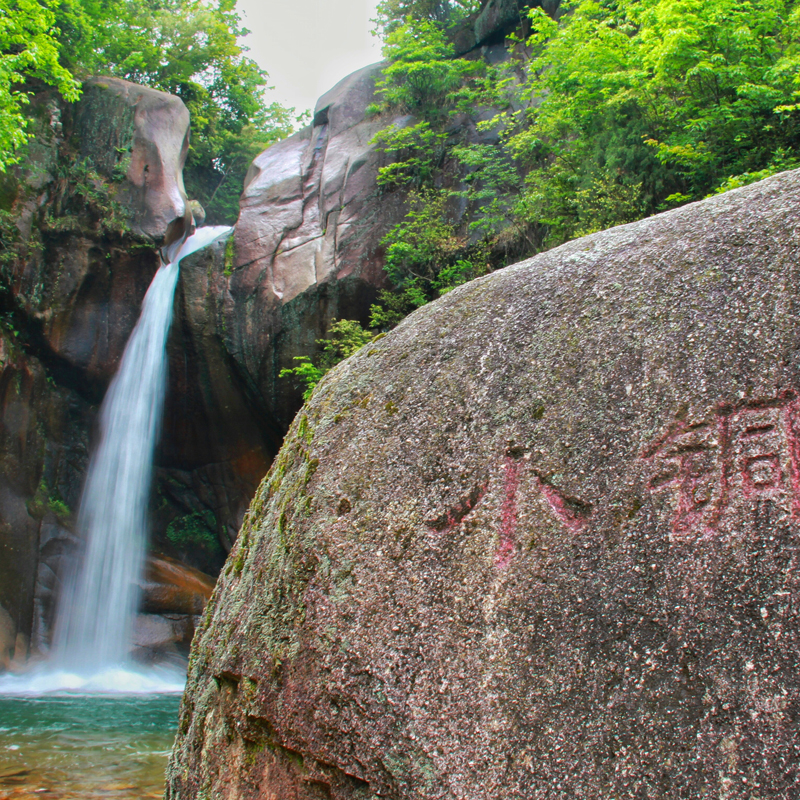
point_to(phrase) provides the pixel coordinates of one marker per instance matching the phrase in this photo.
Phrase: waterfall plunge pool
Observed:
(89, 723)
(85, 746)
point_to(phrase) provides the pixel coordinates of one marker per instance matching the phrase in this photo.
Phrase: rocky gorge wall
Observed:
(83, 219)
(100, 193)
(539, 541)
(84, 216)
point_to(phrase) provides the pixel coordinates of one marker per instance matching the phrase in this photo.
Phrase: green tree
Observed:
(345, 337)
(29, 55)
(187, 47)
(640, 105)
(444, 13)
(423, 76)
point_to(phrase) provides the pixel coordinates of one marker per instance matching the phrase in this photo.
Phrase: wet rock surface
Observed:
(172, 587)
(540, 541)
(100, 191)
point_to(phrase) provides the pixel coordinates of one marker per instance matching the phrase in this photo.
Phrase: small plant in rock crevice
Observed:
(345, 337)
(195, 531)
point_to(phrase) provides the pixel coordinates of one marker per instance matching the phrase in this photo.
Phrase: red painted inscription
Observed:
(740, 453)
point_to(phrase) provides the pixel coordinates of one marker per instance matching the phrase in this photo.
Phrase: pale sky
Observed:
(307, 46)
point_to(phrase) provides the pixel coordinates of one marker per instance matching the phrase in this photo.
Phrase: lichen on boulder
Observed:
(541, 541)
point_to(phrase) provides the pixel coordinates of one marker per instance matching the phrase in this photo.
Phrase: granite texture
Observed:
(540, 541)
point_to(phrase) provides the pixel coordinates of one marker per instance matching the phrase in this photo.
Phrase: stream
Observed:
(83, 746)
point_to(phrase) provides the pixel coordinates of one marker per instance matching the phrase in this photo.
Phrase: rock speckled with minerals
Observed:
(540, 541)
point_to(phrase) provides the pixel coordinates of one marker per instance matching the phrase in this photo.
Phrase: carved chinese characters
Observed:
(716, 467)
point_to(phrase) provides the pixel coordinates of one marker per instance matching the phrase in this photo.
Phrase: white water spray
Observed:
(98, 603)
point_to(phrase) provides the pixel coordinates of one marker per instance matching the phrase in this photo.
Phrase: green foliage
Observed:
(393, 306)
(642, 104)
(195, 531)
(187, 47)
(29, 52)
(618, 109)
(9, 244)
(309, 374)
(81, 194)
(59, 507)
(423, 77)
(44, 500)
(345, 337)
(781, 161)
(493, 186)
(419, 246)
(425, 258)
(443, 13)
(417, 152)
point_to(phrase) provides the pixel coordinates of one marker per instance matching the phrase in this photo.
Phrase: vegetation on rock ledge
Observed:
(187, 47)
(608, 113)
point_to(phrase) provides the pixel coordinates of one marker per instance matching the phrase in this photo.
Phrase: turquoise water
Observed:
(85, 746)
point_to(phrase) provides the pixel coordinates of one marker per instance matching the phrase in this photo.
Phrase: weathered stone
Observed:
(497, 18)
(8, 639)
(312, 215)
(69, 305)
(540, 541)
(171, 587)
(218, 434)
(162, 637)
(143, 134)
(43, 430)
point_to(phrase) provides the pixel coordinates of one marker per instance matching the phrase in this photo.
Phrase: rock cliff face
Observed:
(101, 190)
(540, 541)
(307, 242)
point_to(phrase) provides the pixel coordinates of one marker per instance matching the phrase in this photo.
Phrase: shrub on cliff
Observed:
(610, 113)
(187, 47)
(345, 337)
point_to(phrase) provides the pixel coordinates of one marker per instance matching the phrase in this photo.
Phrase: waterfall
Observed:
(99, 601)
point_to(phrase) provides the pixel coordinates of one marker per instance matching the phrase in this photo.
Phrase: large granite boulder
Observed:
(540, 541)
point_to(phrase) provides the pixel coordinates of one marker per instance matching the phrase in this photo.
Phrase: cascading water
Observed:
(99, 601)
(93, 627)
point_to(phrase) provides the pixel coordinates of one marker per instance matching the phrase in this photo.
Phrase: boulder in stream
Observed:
(540, 541)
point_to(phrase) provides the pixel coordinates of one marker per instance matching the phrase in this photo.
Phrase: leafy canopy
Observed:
(613, 111)
(187, 47)
(642, 104)
(443, 13)
(29, 50)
